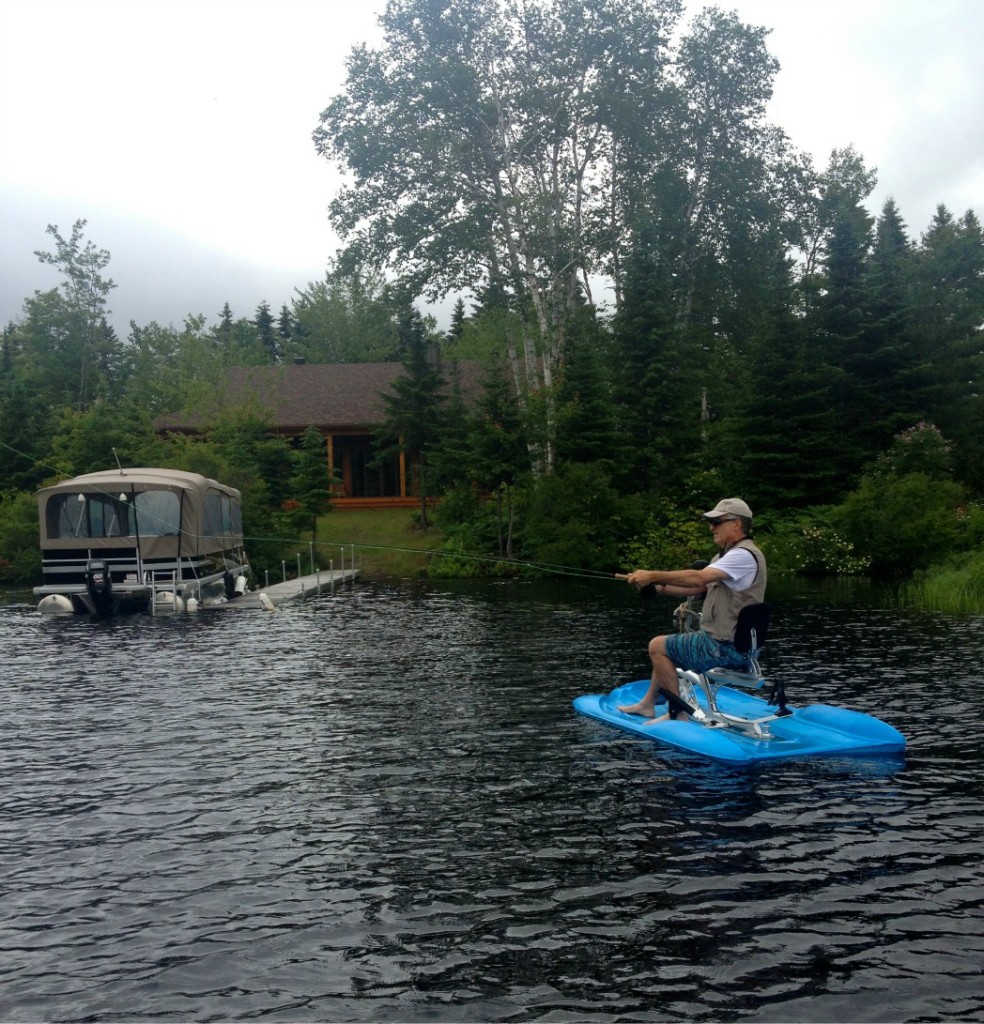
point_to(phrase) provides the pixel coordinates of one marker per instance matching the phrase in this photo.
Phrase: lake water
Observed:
(379, 806)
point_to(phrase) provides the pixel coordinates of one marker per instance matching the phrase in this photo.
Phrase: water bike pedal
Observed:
(677, 706)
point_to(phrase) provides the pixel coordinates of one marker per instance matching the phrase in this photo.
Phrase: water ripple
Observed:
(378, 806)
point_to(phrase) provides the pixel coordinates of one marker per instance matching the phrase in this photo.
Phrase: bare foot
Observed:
(641, 708)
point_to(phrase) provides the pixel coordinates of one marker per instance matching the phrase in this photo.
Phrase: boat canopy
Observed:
(166, 512)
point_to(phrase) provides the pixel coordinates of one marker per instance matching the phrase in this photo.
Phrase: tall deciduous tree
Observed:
(349, 317)
(516, 149)
(846, 180)
(66, 337)
(480, 144)
(727, 161)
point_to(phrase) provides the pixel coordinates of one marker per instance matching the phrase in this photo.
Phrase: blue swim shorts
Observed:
(700, 651)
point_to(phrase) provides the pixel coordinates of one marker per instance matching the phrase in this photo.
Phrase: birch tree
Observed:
(481, 142)
(68, 327)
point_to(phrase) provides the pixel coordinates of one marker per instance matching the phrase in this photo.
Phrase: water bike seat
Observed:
(751, 632)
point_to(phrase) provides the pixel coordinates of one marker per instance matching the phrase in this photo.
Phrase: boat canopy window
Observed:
(87, 515)
(79, 515)
(222, 515)
(158, 513)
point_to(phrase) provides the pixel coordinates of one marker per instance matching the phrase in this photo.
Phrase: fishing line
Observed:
(547, 567)
(36, 461)
(544, 567)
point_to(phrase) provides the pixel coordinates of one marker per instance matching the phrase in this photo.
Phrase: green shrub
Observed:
(476, 529)
(810, 546)
(920, 449)
(454, 562)
(20, 546)
(672, 538)
(574, 518)
(902, 523)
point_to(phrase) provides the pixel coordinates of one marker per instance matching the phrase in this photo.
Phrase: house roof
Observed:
(331, 396)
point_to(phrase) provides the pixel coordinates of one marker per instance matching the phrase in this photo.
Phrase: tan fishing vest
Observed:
(719, 615)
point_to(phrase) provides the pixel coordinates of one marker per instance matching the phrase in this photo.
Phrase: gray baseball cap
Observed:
(729, 507)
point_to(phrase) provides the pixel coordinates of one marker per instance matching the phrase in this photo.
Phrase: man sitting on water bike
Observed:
(734, 578)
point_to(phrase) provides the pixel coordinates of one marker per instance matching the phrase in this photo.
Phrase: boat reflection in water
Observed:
(138, 540)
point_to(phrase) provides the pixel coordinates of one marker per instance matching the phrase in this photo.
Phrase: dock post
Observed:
(331, 569)
(283, 569)
(312, 555)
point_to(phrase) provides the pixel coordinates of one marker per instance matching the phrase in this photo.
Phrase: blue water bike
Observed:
(720, 713)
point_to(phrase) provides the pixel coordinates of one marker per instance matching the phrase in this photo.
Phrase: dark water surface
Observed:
(381, 807)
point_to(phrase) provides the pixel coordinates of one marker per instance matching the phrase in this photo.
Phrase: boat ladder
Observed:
(164, 591)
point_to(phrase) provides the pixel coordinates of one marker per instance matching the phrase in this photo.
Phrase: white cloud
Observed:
(181, 129)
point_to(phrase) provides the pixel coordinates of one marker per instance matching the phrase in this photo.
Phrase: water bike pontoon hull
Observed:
(139, 539)
(814, 731)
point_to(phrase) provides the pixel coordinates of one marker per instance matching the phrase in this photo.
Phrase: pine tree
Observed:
(309, 482)
(658, 377)
(897, 379)
(414, 411)
(264, 323)
(586, 429)
(223, 331)
(285, 328)
(458, 318)
(837, 336)
(950, 313)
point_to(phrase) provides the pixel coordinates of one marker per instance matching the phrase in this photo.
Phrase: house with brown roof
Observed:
(343, 401)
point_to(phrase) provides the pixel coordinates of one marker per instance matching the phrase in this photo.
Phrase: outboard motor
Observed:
(99, 584)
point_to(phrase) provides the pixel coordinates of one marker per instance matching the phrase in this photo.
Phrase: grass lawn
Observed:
(386, 541)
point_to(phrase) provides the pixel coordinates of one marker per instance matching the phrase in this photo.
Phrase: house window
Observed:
(354, 460)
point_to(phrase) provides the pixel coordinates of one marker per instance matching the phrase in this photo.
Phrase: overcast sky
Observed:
(181, 130)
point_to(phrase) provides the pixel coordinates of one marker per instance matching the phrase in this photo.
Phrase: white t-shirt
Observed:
(741, 567)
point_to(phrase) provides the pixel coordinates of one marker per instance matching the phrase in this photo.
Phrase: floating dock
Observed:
(296, 589)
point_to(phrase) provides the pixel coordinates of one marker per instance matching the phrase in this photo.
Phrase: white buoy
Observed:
(55, 604)
(266, 604)
(240, 584)
(167, 600)
(192, 605)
